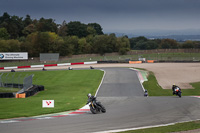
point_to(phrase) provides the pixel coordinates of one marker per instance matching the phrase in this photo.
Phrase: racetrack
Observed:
(122, 95)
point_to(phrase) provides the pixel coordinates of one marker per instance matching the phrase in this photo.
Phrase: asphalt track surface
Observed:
(122, 95)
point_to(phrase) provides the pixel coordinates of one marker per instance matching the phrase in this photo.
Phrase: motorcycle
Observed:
(177, 92)
(96, 107)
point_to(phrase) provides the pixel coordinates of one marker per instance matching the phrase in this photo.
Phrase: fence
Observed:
(28, 82)
(13, 80)
(49, 56)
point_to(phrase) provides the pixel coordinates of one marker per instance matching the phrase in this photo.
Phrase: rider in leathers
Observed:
(92, 98)
(174, 88)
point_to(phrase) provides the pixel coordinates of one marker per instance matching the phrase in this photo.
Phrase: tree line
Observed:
(142, 43)
(18, 34)
(34, 36)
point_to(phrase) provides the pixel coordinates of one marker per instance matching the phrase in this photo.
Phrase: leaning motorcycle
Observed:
(96, 107)
(178, 92)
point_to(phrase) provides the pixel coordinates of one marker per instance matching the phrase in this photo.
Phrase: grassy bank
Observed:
(154, 89)
(67, 88)
(167, 129)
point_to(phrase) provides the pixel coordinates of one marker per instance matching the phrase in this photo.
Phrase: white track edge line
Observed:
(138, 78)
(145, 127)
(101, 82)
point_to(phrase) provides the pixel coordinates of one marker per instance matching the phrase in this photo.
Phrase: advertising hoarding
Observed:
(13, 56)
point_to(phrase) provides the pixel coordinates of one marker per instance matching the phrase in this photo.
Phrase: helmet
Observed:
(89, 95)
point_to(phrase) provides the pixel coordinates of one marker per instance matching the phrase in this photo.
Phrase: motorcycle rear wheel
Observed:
(103, 109)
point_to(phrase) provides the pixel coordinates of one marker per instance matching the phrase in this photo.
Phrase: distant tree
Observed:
(188, 44)
(151, 44)
(13, 24)
(84, 46)
(67, 47)
(100, 44)
(97, 27)
(27, 21)
(62, 29)
(196, 44)
(73, 41)
(76, 28)
(138, 42)
(140, 45)
(4, 47)
(91, 31)
(4, 34)
(168, 43)
(112, 40)
(29, 29)
(46, 25)
(123, 45)
(10, 45)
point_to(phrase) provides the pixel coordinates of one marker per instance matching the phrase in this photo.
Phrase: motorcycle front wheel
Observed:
(93, 110)
(179, 94)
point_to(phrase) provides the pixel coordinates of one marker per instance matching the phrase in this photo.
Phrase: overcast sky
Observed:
(112, 15)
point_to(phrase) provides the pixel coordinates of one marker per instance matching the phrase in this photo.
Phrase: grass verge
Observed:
(167, 129)
(67, 88)
(154, 89)
(4, 89)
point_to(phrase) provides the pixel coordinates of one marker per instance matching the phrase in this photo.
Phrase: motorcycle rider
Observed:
(91, 98)
(146, 93)
(175, 88)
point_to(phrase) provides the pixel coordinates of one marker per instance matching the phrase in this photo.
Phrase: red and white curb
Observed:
(48, 65)
(82, 110)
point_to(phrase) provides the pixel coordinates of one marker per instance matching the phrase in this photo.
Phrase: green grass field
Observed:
(69, 89)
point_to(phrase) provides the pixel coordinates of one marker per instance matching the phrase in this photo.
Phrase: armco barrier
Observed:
(110, 61)
(48, 65)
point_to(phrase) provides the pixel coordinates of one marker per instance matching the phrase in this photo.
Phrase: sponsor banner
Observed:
(14, 56)
(48, 103)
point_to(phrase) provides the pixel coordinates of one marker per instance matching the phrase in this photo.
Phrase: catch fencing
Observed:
(13, 80)
(49, 57)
